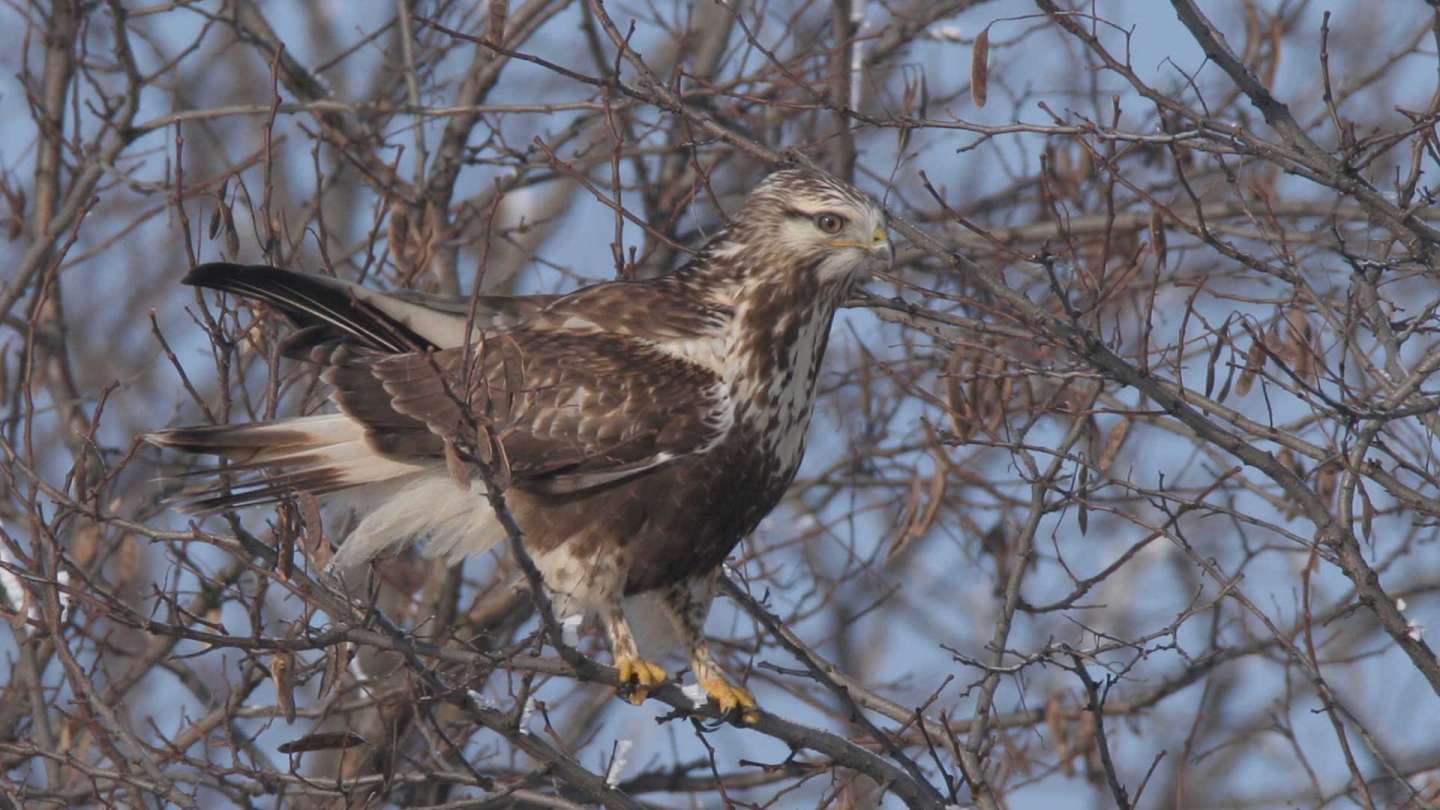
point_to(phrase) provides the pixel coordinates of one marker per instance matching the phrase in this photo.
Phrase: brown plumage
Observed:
(646, 427)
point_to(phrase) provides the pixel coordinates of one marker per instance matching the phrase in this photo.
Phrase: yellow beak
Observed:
(878, 241)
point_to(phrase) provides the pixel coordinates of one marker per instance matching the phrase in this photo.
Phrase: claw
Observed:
(640, 676)
(731, 698)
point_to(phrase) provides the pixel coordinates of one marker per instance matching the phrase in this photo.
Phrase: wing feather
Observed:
(571, 411)
(328, 309)
(580, 390)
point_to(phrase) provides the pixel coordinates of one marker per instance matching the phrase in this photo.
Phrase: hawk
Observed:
(644, 427)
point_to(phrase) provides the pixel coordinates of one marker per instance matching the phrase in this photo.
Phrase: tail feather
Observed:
(332, 456)
(401, 497)
(258, 440)
(315, 454)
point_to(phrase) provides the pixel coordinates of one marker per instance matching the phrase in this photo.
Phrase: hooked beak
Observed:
(879, 245)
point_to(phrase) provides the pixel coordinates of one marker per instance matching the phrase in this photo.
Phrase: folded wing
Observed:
(570, 409)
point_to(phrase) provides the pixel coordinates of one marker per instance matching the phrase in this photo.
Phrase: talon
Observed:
(640, 676)
(731, 698)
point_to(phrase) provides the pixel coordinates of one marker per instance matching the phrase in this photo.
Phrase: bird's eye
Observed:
(829, 223)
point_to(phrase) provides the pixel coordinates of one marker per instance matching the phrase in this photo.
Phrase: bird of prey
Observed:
(644, 427)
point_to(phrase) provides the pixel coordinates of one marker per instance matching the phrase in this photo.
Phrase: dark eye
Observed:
(829, 223)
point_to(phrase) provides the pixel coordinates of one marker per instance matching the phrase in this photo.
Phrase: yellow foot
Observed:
(640, 676)
(731, 698)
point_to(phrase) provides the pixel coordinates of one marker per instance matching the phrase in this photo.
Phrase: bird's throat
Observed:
(777, 347)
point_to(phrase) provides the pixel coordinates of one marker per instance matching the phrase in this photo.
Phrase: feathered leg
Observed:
(581, 581)
(635, 672)
(688, 604)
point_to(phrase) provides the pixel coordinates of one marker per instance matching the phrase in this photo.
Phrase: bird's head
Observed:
(801, 221)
